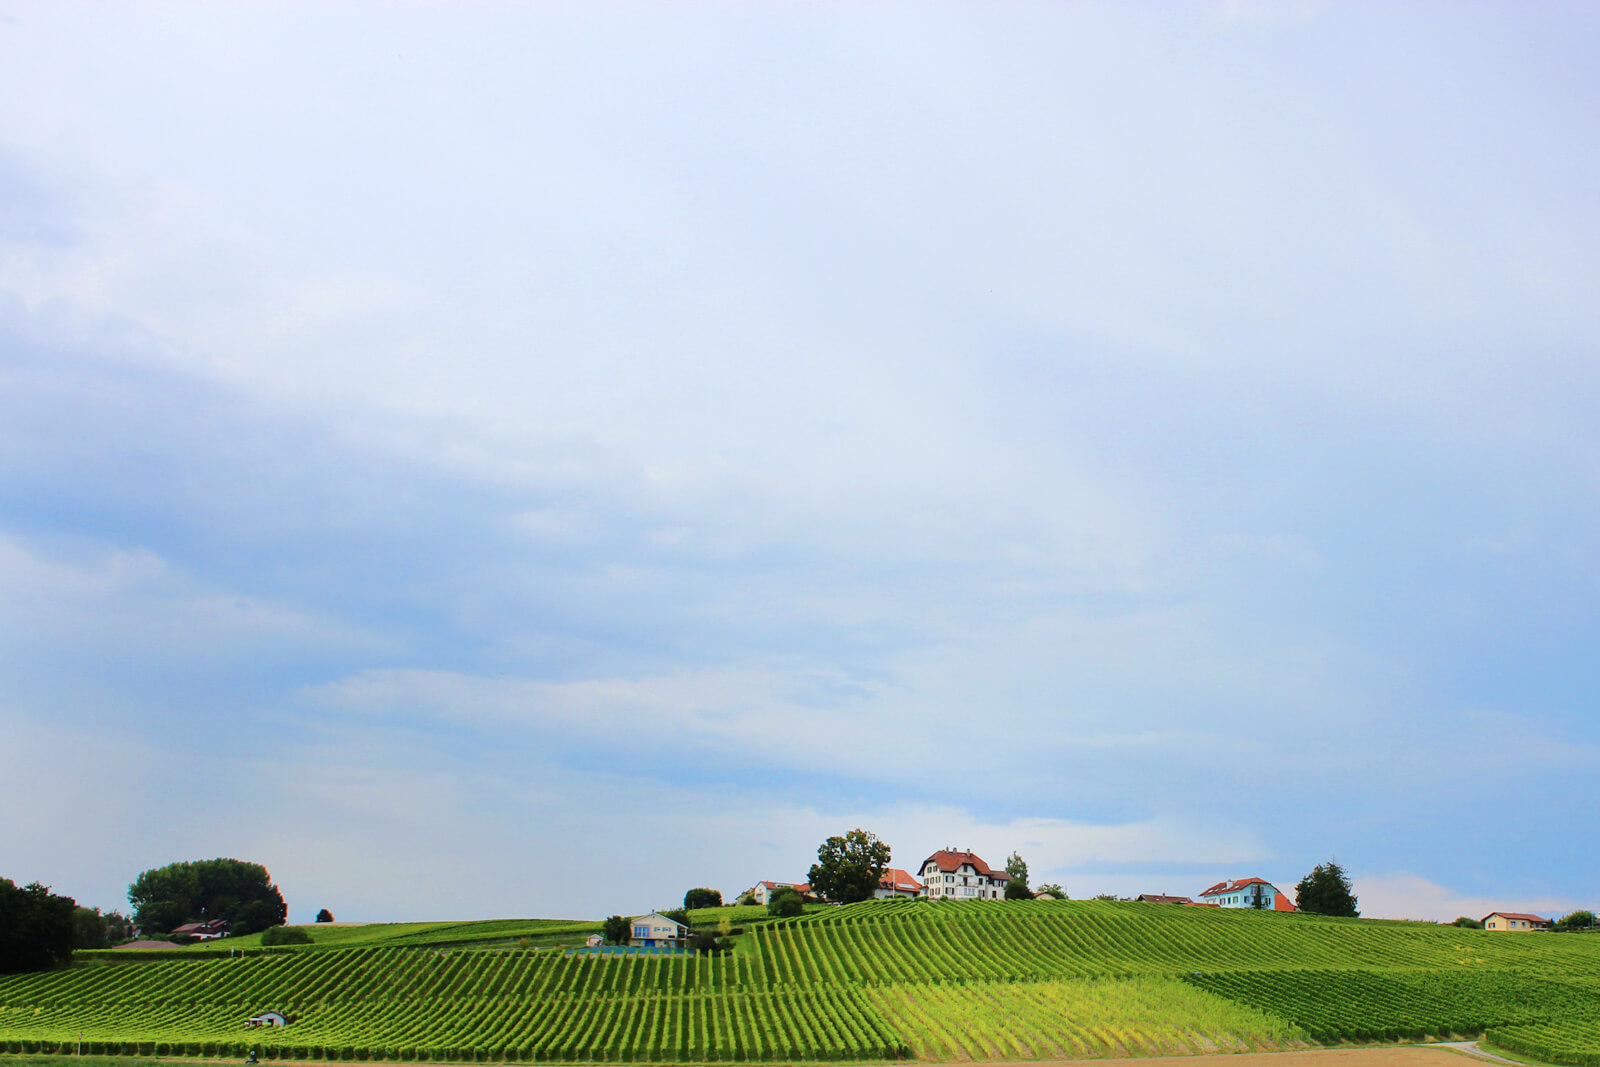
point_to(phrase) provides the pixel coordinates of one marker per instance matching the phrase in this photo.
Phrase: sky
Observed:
(495, 460)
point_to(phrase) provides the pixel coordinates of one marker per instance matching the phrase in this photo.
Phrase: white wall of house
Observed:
(965, 883)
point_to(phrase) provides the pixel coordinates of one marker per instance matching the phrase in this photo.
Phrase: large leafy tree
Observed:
(702, 898)
(1326, 891)
(230, 889)
(37, 928)
(616, 929)
(1017, 886)
(848, 868)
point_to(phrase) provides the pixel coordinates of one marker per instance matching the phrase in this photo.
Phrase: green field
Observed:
(874, 981)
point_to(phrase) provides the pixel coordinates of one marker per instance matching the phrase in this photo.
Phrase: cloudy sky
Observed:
(523, 460)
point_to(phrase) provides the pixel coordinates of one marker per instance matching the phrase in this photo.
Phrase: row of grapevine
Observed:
(817, 1025)
(1398, 1005)
(381, 973)
(1571, 1041)
(1140, 1016)
(883, 943)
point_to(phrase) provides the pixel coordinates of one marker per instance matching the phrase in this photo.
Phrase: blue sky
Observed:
(532, 460)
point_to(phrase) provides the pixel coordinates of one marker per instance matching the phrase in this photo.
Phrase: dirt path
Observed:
(1384, 1056)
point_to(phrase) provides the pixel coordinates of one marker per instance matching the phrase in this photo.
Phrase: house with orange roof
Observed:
(763, 891)
(897, 883)
(952, 874)
(1247, 893)
(1514, 920)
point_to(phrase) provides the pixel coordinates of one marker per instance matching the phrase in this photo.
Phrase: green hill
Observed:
(882, 980)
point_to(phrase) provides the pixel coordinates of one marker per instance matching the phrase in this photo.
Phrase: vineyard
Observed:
(881, 980)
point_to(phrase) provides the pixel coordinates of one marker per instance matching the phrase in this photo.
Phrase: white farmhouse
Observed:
(952, 875)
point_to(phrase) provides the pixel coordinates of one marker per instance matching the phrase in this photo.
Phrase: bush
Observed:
(285, 935)
(785, 903)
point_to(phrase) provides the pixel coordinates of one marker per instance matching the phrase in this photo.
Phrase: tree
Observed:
(1017, 889)
(1053, 890)
(617, 930)
(1466, 923)
(1326, 891)
(849, 868)
(747, 898)
(785, 903)
(1017, 868)
(242, 893)
(708, 942)
(119, 928)
(36, 928)
(88, 928)
(702, 898)
(1258, 897)
(324, 916)
(677, 915)
(1581, 919)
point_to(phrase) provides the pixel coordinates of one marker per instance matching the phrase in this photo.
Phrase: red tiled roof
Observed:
(1282, 903)
(895, 878)
(1161, 898)
(1514, 915)
(952, 861)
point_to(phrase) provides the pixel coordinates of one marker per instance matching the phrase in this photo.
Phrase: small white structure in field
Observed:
(594, 941)
(266, 1018)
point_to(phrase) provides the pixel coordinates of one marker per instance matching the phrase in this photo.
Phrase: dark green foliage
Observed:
(285, 935)
(1017, 868)
(747, 898)
(1017, 889)
(324, 916)
(1052, 890)
(1582, 919)
(1326, 891)
(37, 928)
(677, 915)
(617, 930)
(848, 868)
(702, 898)
(1466, 923)
(88, 928)
(708, 942)
(119, 927)
(241, 892)
(785, 903)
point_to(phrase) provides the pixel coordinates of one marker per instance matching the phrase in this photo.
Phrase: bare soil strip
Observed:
(1383, 1056)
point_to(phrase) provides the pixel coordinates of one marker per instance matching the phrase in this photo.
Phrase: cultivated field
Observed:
(875, 981)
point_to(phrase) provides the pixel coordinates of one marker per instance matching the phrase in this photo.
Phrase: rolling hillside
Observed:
(881, 980)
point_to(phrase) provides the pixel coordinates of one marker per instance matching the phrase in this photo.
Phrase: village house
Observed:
(1514, 920)
(657, 931)
(897, 883)
(950, 874)
(1162, 898)
(1247, 893)
(763, 890)
(206, 931)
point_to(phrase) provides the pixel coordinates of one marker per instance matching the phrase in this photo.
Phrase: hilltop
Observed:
(877, 980)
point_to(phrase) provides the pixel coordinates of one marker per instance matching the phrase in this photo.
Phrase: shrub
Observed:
(285, 935)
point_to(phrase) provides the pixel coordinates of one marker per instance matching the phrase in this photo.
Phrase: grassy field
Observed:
(882, 980)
